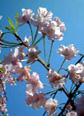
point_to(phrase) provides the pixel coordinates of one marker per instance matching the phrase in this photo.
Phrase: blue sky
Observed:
(71, 12)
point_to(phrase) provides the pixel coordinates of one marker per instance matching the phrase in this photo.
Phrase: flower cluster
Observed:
(76, 72)
(3, 105)
(27, 50)
(37, 100)
(55, 79)
(52, 28)
(68, 51)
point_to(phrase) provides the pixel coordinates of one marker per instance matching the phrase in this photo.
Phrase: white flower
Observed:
(55, 79)
(76, 72)
(32, 53)
(26, 16)
(42, 16)
(50, 106)
(72, 113)
(68, 51)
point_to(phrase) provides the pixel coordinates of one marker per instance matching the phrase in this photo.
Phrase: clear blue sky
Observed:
(71, 12)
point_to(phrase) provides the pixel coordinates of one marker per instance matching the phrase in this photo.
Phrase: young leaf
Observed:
(11, 23)
(16, 23)
(16, 15)
(8, 28)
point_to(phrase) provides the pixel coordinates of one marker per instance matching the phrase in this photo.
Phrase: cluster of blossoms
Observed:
(76, 72)
(55, 79)
(52, 28)
(3, 105)
(12, 64)
(68, 51)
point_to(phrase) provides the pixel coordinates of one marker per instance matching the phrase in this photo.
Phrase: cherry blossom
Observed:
(34, 84)
(32, 53)
(60, 24)
(36, 101)
(26, 16)
(2, 86)
(76, 72)
(6, 76)
(13, 65)
(24, 74)
(2, 104)
(55, 79)
(42, 17)
(72, 113)
(50, 106)
(18, 53)
(51, 29)
(68, 51)
(27, 40)
(14, 57)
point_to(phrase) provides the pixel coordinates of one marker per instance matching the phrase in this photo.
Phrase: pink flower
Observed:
(36, 101)
(32, 53)
(72, 113)
(2, 86)
(34, 84)
(76, 72)
(55, 79)
(9, 59)
(68, 51)
(26, 16)
(6, 76)
(50, 106)
(18, 53)
(42, 16)
(15, 57)
(15, 68)
(2, 104)
(24, 74)
(80, 106)
(27, 40)
(60, 24)
(51, 29)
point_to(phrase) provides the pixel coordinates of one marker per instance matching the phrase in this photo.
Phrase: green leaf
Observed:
(8, 28)
(11, 23)
(16, 23)
(16, 15)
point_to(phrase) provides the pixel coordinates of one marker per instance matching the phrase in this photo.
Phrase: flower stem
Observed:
(44, 48)
(36, 35)
(31, 30)
(50, 52)
(38, 40)
(61, 65)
